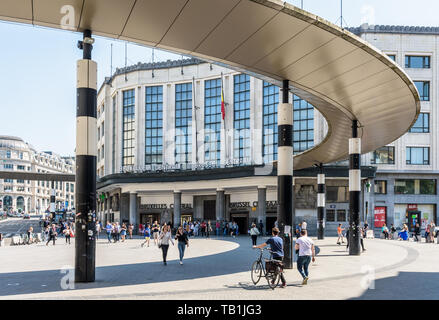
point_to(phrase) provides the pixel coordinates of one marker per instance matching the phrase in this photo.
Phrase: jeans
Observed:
(181, 247)
(68, 239)
(165, 248)
(109, 236)
(217, 231)
(302, 265)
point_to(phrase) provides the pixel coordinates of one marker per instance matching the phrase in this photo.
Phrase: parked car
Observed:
(26, 216)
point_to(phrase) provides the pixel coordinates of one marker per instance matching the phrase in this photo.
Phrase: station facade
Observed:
(163, 141)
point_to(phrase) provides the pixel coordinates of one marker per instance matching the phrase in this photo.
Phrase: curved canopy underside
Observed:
(344, 77)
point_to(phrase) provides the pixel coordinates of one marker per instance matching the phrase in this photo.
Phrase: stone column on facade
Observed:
(262, 207)
(220, 205)
(133, 208)
(177, 208)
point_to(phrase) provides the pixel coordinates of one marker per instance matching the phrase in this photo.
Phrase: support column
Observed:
(52, 201)
(262, 208)
(285, 173)
(321, 204)
(220, 205)
(354, 190)
(177, 208)
(85, 194)
(133, 209)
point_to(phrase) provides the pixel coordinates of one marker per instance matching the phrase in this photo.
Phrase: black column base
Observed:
(288, 252)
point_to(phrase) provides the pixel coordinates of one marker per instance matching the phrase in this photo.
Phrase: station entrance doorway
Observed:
(149, 218)
(241, 220)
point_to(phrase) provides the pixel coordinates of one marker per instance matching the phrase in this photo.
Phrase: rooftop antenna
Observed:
(341, 15)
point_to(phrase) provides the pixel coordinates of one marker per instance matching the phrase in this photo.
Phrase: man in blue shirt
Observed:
(277, 248)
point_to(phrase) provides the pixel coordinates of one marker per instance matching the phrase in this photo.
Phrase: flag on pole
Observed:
(223, 108)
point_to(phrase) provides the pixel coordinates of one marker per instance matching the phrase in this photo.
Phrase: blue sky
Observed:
(38, 65)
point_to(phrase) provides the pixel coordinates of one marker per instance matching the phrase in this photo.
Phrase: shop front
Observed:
(239, 213)
(413, 213)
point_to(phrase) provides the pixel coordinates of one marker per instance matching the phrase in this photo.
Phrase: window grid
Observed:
(383, 155)
(183, 122)
(270, 131)
(241, 119)
(153, 125)
(422, 124)
(303, 128)
(423, 89)
(212, 120)
(419, 62)
(129, 131)
(418, 155)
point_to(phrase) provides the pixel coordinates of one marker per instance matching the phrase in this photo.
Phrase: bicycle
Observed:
(271, 271)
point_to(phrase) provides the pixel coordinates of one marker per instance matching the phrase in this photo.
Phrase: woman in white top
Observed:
(254, 232)
(165, 237)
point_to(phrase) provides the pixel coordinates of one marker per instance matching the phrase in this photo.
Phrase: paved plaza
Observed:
(219, 269)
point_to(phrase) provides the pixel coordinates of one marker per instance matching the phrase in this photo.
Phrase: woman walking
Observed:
(254, 232)
(123, 232)
(67, 234)
(30, 235)
(208, 229)
(431, 234)
(165, 237)
(130, 230)
(183, 241)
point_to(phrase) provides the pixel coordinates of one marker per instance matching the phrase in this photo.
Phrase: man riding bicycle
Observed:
(277, 250)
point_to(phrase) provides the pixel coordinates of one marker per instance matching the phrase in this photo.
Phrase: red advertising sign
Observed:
(412, 206)
(380, 216)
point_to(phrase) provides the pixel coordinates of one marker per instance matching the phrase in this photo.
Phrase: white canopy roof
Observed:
(344, 77)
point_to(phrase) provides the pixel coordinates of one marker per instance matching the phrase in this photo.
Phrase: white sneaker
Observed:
(181, 262)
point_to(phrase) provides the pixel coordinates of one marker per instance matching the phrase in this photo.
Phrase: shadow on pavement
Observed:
(405, 286)
(229, 262)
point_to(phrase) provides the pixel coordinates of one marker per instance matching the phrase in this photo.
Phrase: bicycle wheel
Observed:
(273, 278)
(256, 272)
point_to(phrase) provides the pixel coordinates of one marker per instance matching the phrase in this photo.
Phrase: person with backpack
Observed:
(254, 232)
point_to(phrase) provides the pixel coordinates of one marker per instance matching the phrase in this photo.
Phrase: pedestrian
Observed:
(261, 227)
(340, 234)
(130, 230)
(416, 232)
(98, 229)
(298, 230)
(165, 237)
(67, 234)
(155, 232)
(196, 229)
(304, 225)
(392, 231)
(404, 233)
(123, 232)
(52, 234)
(203, 228)
(208, 229)
(217, 227)
(232, 230)
(30, 235)
(226, 229)
(254, 232)
(385, 231)
(277, 250)
(147, 234)
(183, 241)
(109, 229)
(306, 254)
(361, 235)
(431, 235)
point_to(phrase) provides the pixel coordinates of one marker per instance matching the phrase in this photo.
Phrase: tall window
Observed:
(415, 186)
(303, 128)
(270, 103)
(422, 124)
(153, 125)
(420, 62)
(129, 130)
(241, 122)
(423, 89)
(183, 122)
(113, 156)
(212, 120)
(418, 155)
(383, 155)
